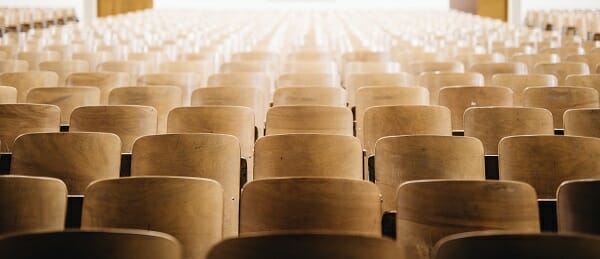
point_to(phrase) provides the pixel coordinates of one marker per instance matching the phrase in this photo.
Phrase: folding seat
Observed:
(8, 94)
(591, 59)
(491, 124)
(191, 209)
(575, 209)
(416, 68)
(297, 246)
(356, 81)
(105, 81)
(563, 52)
(369, 68)
(24, 81)
(13, 65)
(76, 158)
(430, 210)
(66, 98)
(559, 99)
(488, 70)
(99, 243)
(93, 58)
(297, 204)
(562, 70)
(518, 83)
(213, 156)
(251, 80)
(313, 67)
(531, 60)
(17, 119)
(187, 82)
(582, 122)
(592, 81)
(308, 80)
(34, 58)
(309, 119)
(329, 96)
(436, 81)
(132, 68)
(31, 204)
(547, 161)
(64, 68)
(470, 59)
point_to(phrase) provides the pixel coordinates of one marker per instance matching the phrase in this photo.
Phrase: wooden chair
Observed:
(498, 245)
(13, 65)
(417, 68)
(213, 156)
(91, 244)
(31, 204)
(400, 159)
(17, 119)
(255, 56)
(93, 58)
(361, 55)
(356, 81)
(202, 67)
(66, 98)
(470, 59)
(488, 70)
(251, 80)
(308, 80)
(132, 68)
(187, 82)
(491, 124)
(76, 158)
(591, 59)
(149, 60)
(436, 81)
(562, 70)
(560, 99)
(518, 83)
(105, 81)
(582, 122)
(533, 59)
(310, 56)
(331, 205)
(265, 67)
(297, 246)
(574, 206)
(34, 58)
(161, 98)
(25, 81)
(310, 67)
(309, 119)
(563, 52)
(328, 96)
(191, 209)
(129, 122)
(431, 210)
(383, 121)
(592, 81)
(8, 94)
(64, 68)
(547, 161)
(369, 68)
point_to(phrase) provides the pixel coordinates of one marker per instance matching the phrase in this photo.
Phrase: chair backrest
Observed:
(436, 81)
(25, 81)
(199, 67)
(34, 58)
(559, 99)
(66, 98)
(105, 243)
(430, 210)
(591, 59)
(256, 80)
(31, 204)
(105, 81)
(582, 122)
(533, 59)
(400, 159)
(518, 83)
(329, 96)
(13, 65)
(64, 68)
(8, 94)
(563, 52)
(417, 68)
(306, 79)
(592, 80)
(132, 68)
(17, 119)
(191, 209)
(249, 67)
(356, 81)
(129, 122)
(562, 70)
(75, 158)
(310, 67)
(333, 205)
(213, 156)
(309, 119)
(187, 82)
(488, 70)
(575, 211)
(547, 161)
(369, 68)
(363, 55)
(93, 58)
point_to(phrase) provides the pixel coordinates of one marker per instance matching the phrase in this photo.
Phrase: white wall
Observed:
(404, 4)
(518, 8)
(85, 9)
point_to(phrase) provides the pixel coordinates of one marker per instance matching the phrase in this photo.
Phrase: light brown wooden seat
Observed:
(460, 98)
(64, 68)
(592, 81)
(91, 244)
(94, 58)
(162, 98)
(591, 59)
(255, 56)
(491, 124)
(329, 96)
(25, 81)
(400, 159)
(132, 68)
(371, 56)
(13, 65)
(356, 81)
(469, 59)
(252, 80)
(331, 205)
(501, 245)
(149, 60)
(547, 161)
(430, 210)
(488, 70)
(309, 119)
(105, 81)
(297, 246)
(563, 52)
(562, 70)
(191, 209)
(383, 121)
(312, 67)
(576, 211)
(129, 122)
(582, 122)
(249, 67)
(518, 83)
(8, 94)
(75, 158)
(186, 66)
(187, 82)
(533, 59)
(417, 68)
(559, 99)
(350, 68)
(310, 56)
(436, 81)
(34, 58)
(308, 80)
(31, 204)
(66, 98)
(213, 156)
(17, 119)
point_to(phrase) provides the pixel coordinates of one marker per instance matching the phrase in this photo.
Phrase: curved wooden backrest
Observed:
(25, 81)
(436, 81)
(491, 124)
(75, 158)
(64, 68)
(13, 65)
(533, 59)
(417, 68)
(469, 59)
(460, 98)
(257, 80)
(149, 60)
(591, 59)
(407, 158)
(369, 67)
(582, 122)
(308, 80)
(187, 82)
(488, 70)
(191, 209)
(310, 56)
(559, 99)
(129, 122)
(132, 68)
(94, 58)
(547, 161)
(329, 96)
(310, 67)
(309, 119)
(66, 98)
(8, 94)
(17, 119)
(310, 155)
(105, 81)
(248, 67)
(31, 203)
(297, 246)
(366, 56)
(518, 83)
(255, 56)
(213, 156)
(433, 209)
(185, 66)
(562, 70)
(517, 245)
(592, 81)
(334, 205)
(383, 121)
(34, 58)
(575, 209)
(162, 98)
(105, 243)
(563, 52)
(356, 81)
